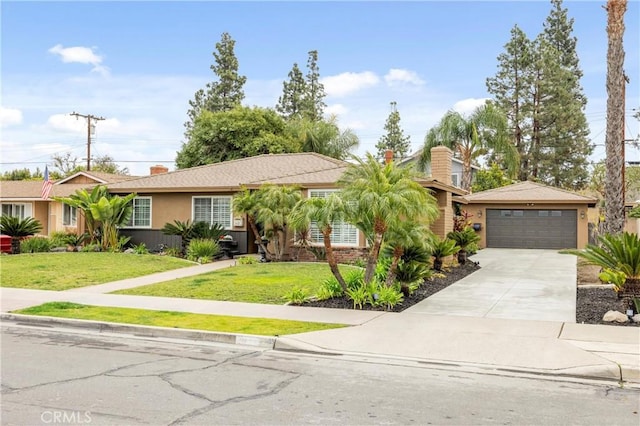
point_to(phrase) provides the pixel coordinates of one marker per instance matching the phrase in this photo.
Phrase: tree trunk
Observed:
(391, 274)
(614, 139)
(15, 245)
(462, 256)
(331, 259)
(256, 233)
(372, 260)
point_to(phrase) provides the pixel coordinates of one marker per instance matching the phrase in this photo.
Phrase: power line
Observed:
(90, 129)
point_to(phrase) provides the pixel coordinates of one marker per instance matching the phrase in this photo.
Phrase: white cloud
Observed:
(10, 117)
(349, 82)
(66, 123)
(467, 106)
(397, 76)
(81, 55)
(336, 109)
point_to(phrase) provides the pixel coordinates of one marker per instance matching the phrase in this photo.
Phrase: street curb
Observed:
(265, 342)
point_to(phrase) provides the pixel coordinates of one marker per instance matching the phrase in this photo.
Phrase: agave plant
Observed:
(619, 253)
(18, 228)
(463, 239)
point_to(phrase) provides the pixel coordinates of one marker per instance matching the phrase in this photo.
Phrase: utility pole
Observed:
(89, 117)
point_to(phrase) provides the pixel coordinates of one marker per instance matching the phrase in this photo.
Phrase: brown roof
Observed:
(301, 168)
(24, 190)
(523, 192)
(99, 177)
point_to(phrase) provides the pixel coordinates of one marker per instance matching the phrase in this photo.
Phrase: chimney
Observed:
(388, 156)
(158, 169)
(441, 164)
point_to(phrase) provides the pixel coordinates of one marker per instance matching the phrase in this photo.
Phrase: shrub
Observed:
(173, 252)
(91, 248)
(463, 239)
(74, 240)
(247, 260)
(388, 297)
(58, 238)
(140, 249)
(297, 296)
(329, 289)
(354, 278)
(35, 245)
(360, 263)
(441, 249)
(202, 250)
(358, 295)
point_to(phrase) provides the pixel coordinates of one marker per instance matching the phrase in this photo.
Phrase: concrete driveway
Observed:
(512, 283)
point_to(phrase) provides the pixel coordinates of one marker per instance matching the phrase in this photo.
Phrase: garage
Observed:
(529, 215)
(531, 229)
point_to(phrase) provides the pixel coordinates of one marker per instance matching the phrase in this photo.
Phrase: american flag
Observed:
(47, 185)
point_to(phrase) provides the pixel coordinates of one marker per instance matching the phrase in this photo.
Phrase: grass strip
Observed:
(171, 319)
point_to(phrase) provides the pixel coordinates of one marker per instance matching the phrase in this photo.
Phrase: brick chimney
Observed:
(158, 169)
(441, 164)
(388, 156)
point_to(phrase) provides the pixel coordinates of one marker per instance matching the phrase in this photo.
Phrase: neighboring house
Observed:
(529, 215)
(456, 168)
(23, 199)
(205, 193)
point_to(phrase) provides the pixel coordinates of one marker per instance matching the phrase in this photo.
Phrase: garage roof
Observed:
(528, 192)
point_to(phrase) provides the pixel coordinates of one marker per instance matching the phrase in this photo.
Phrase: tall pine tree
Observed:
(224, 94)
(293, 91)
(312, 106)
(394, 139)
(538, 85)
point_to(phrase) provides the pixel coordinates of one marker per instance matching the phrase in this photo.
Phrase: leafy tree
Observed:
(614, 198)
(485, 130)
(379, 197)
(106, 164)
(112, 212)
(68, 165)
(312, 105)
(293, 91)
(323, 213)
(631, 180)
(238, 133)
(493, 177)
(224, 94)
(323, 137)
(18, 228)
(275, 203)
(394, 139)
(26, 174)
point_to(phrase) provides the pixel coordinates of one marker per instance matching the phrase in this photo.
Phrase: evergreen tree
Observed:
(538, 85)
(224, 94)
(290, 103)
(312, 106)
(394, 139)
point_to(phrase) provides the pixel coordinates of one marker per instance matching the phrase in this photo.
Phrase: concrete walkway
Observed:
(511, 284)
(488, 341)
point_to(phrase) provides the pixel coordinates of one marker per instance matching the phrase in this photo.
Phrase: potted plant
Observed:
(463, 239)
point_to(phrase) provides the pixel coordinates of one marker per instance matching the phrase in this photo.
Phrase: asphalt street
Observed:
(60, 377)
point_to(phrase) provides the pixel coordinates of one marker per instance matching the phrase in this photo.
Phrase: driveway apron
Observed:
(511, 284)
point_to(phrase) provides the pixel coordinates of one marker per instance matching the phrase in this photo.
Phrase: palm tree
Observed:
(323, 213)
(463, 239)
(469, 138)
(18, 228)
(246, 202)
(272, 211)
(324, 137)
(112, 212)
(614, 139)
(378, 197)
(406, 235)
(82, 200)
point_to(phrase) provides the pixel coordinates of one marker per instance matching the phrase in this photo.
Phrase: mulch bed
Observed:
(591, 303)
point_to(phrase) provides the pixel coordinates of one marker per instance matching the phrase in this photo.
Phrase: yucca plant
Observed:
(463, 239)
(619, 253)
(18, 228)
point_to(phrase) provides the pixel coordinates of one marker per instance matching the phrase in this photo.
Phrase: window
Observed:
(21, 211)
(141, 215)
(69, 215)
(543, 213)
(213, 210)
(505, 213)
(455, 179)
(342, 233)
(518, 213)
(556, 213)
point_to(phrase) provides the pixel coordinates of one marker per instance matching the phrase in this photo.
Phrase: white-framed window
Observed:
(19, 210)
(213, 210)
(69, 215)
(342, 233)
(455, 179)
(141, 214)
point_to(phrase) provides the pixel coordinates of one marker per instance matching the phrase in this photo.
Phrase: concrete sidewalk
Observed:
(540, 347)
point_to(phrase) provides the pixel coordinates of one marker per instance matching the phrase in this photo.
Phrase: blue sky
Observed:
(139, 63)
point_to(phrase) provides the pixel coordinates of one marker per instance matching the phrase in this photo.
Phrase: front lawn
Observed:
(62, 271)
(254, 283)
(229, 324)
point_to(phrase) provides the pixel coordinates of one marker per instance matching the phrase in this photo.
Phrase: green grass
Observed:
(62, 271)
(257, 283)
(229, 324)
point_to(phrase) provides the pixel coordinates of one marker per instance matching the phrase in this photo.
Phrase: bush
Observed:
(388, 297)
(358, 295)
(329, 289)
(140, 249)
(58, 239)
(91, 248)
(173, 252)
(202, 250)
(35, 245)
(354, 278)
(297, 296)
(247, 260)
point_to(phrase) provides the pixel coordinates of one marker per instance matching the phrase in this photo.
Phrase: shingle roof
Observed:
(31, 189)
(523, 192)
(301, 168)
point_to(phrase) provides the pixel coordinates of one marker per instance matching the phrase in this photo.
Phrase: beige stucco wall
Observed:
(444, 223)
(478, 211)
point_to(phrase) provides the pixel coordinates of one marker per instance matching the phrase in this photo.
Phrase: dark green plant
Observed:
(75, 240)
(182, 229)
(202, 250)
(58, 238)
(35, 245)
(463, 239)
(18, 228)
(440, 249)
(203, 230)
